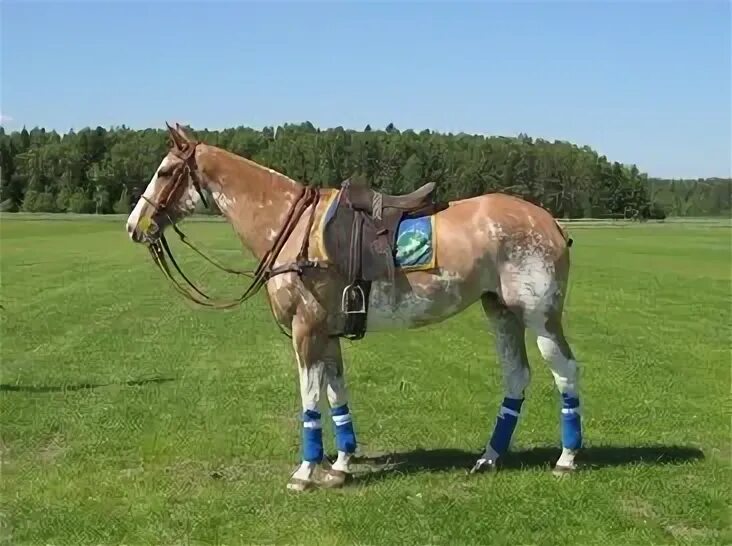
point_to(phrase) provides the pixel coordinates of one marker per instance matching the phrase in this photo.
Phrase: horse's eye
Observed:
(164, 172)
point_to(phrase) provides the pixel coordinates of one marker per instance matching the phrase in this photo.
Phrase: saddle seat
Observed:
(360, 238)
(363, 198)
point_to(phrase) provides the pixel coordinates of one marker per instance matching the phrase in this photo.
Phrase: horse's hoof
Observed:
(299, 486)
(483, 465)
(334, 479)
(562, 471)
(566, 464)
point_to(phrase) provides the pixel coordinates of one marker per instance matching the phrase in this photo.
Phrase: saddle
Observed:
(360, 238)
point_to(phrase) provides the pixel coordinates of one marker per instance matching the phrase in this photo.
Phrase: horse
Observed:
(508, 253)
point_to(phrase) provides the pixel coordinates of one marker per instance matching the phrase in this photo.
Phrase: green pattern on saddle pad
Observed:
(415, 249)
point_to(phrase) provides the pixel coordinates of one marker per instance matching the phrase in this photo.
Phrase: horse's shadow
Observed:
(4, 387)
(441, 460)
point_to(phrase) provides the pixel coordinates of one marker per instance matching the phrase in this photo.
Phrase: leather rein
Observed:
(265, 269)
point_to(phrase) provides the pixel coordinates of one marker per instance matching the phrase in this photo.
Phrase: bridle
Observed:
(265, 269)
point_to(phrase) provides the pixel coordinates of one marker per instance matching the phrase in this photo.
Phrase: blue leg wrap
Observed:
(505, 424)
(571, 422)
(344, 435)
(312, 437)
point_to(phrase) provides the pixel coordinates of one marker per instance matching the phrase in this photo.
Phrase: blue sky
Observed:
(645, 82)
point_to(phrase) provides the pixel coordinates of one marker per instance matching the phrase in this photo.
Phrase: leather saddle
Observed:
(360, 239)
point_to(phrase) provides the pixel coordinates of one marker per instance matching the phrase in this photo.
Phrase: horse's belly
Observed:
(433, 300)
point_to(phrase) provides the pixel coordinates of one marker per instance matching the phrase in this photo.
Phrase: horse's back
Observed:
(507, 220)
(511, 246)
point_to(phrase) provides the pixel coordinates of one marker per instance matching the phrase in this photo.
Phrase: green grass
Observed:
(129, 418)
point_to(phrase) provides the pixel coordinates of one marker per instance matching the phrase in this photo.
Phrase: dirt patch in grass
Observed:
(52, 450)
(638, 508)
(688, 534)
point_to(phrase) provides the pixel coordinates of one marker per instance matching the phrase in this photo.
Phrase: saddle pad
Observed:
(415, 241)
(415, 244)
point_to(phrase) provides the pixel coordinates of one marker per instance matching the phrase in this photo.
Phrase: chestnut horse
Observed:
(504, 251)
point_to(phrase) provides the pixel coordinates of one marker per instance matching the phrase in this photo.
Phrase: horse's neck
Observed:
(253, 198)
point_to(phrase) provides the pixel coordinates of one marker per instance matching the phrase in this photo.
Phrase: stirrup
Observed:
(344, 299)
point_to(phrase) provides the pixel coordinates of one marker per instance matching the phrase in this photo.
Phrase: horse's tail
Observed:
(564, 233)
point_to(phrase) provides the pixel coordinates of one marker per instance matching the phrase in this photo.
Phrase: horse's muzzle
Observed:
(134, 234)
(144, 232)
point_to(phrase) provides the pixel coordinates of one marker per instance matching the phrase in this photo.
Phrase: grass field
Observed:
(129, 418)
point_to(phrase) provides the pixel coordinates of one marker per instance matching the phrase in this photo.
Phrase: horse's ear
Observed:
(182, 133)
(178, 140)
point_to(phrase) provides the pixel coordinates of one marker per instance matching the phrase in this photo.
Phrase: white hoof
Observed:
(563, 471)
(299, 486)
(565, 465)
(302, 479)
(484, 465)
(312, 475)
(334, 479)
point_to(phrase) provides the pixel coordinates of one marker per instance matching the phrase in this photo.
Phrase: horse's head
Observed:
(173, 191)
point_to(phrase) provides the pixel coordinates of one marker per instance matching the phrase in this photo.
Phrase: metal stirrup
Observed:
(344, 300)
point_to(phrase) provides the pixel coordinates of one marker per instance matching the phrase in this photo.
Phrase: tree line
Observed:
(105, 170)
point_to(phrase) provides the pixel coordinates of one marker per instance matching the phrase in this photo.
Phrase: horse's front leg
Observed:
(320, 364)
(345, 437)
(311, 370)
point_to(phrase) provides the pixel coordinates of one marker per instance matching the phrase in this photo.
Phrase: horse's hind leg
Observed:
(511, 350)
(558, 355)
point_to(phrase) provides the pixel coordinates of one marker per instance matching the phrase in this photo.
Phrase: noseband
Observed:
(265, 269)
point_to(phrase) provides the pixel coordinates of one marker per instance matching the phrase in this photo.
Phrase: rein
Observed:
(265, 269)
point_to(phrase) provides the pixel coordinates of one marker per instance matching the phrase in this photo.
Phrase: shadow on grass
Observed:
(80, 386)
(440, 460)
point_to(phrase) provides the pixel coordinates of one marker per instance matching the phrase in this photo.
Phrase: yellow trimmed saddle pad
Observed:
(416, 245)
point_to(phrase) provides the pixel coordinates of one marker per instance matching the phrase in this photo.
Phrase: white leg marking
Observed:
(556, 352)
(338, 396)
(310, 386)
(564, 370)
(566, 459)
(343, 462)
(305, 471)
(336, 390)
(311, 383)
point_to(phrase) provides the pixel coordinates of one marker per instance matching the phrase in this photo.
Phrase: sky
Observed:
(644, 82)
